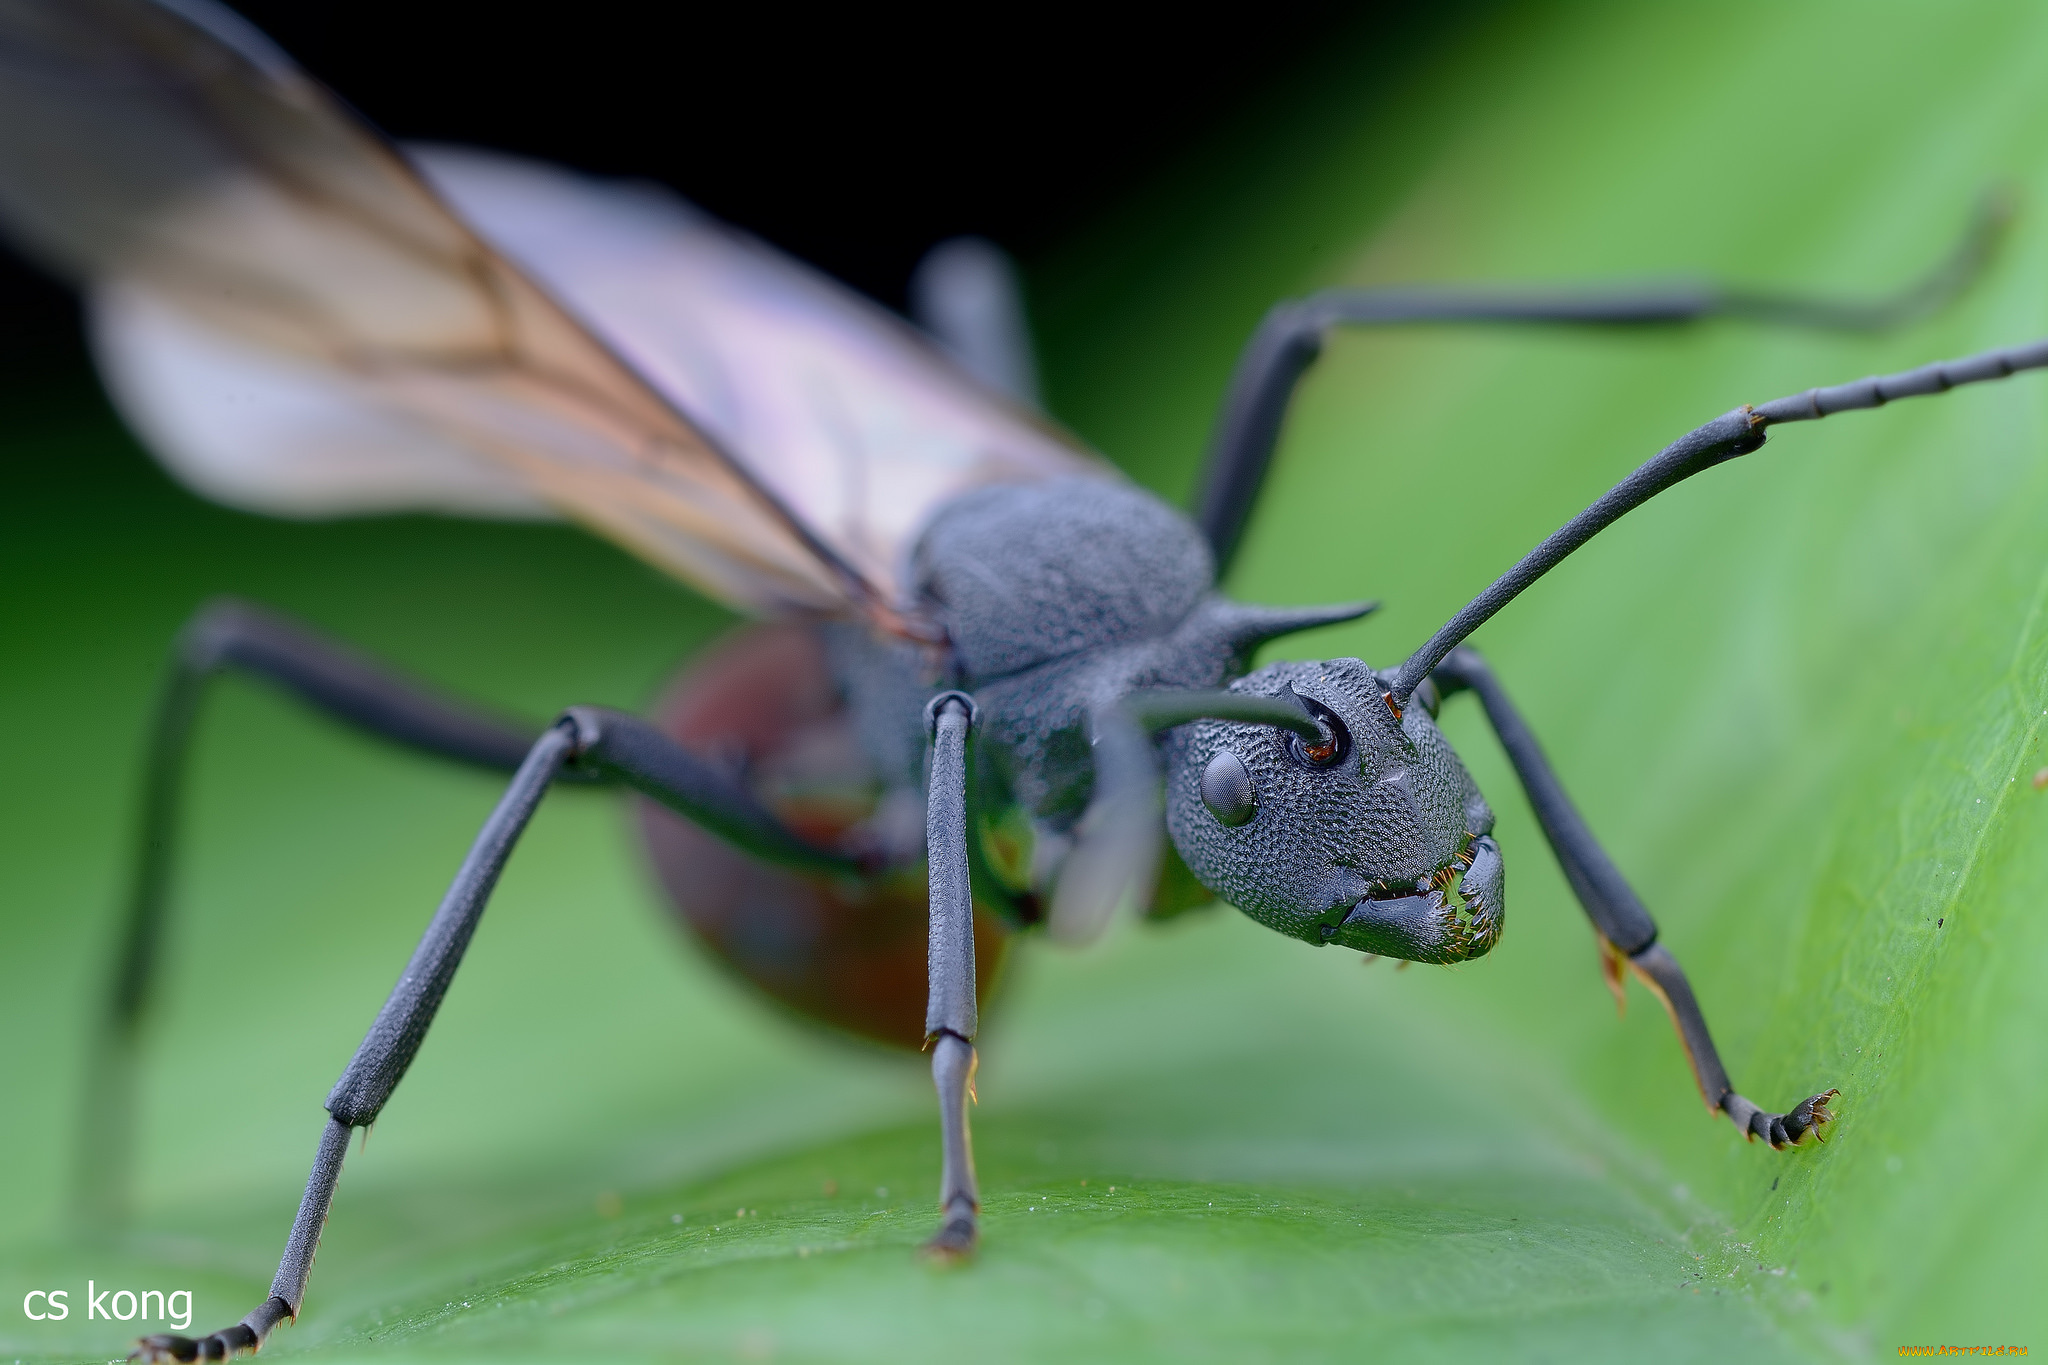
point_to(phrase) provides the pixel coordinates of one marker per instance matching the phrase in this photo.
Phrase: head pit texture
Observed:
(1361, 851)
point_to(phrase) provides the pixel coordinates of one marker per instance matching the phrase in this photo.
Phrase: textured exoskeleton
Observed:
(1380, 843)
(984, 649)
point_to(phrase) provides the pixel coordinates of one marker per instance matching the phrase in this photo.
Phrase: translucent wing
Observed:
(298, 322)
(848, 415)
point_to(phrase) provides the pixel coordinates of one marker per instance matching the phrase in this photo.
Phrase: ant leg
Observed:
(1116, 853)
(1291, 336)
(333, 678)
(965, 293)
(394, 1038)
(588, 742)
(288, 1288)
(614, 746)
(951, 1020)
(1626, 931)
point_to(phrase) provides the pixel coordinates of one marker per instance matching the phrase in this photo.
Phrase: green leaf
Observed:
(1801, 698)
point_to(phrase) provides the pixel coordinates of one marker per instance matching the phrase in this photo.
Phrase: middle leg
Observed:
(597, 743)
(368, 696)
(386, 1051)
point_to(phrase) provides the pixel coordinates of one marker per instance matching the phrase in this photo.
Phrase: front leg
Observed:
(950, 1020)
(1628, 936)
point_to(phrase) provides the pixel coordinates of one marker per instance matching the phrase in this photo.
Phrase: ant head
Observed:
(1374, 837)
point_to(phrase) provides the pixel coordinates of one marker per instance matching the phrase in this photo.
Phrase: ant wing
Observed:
(844, 412)
(295, 318)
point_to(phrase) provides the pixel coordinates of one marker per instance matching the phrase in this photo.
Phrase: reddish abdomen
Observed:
(846, 952)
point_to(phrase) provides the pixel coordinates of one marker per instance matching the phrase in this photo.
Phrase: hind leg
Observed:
(1291, 336)
(965, 293)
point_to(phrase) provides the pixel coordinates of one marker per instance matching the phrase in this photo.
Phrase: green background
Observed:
(1801, 698)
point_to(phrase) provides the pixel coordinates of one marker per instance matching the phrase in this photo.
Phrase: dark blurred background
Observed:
(852, 136)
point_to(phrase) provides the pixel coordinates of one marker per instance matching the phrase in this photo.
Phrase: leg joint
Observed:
(1634, 951)
(209, 638)
(947, 702)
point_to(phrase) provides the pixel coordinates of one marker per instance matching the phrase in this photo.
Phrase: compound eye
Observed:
(1227, 790)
